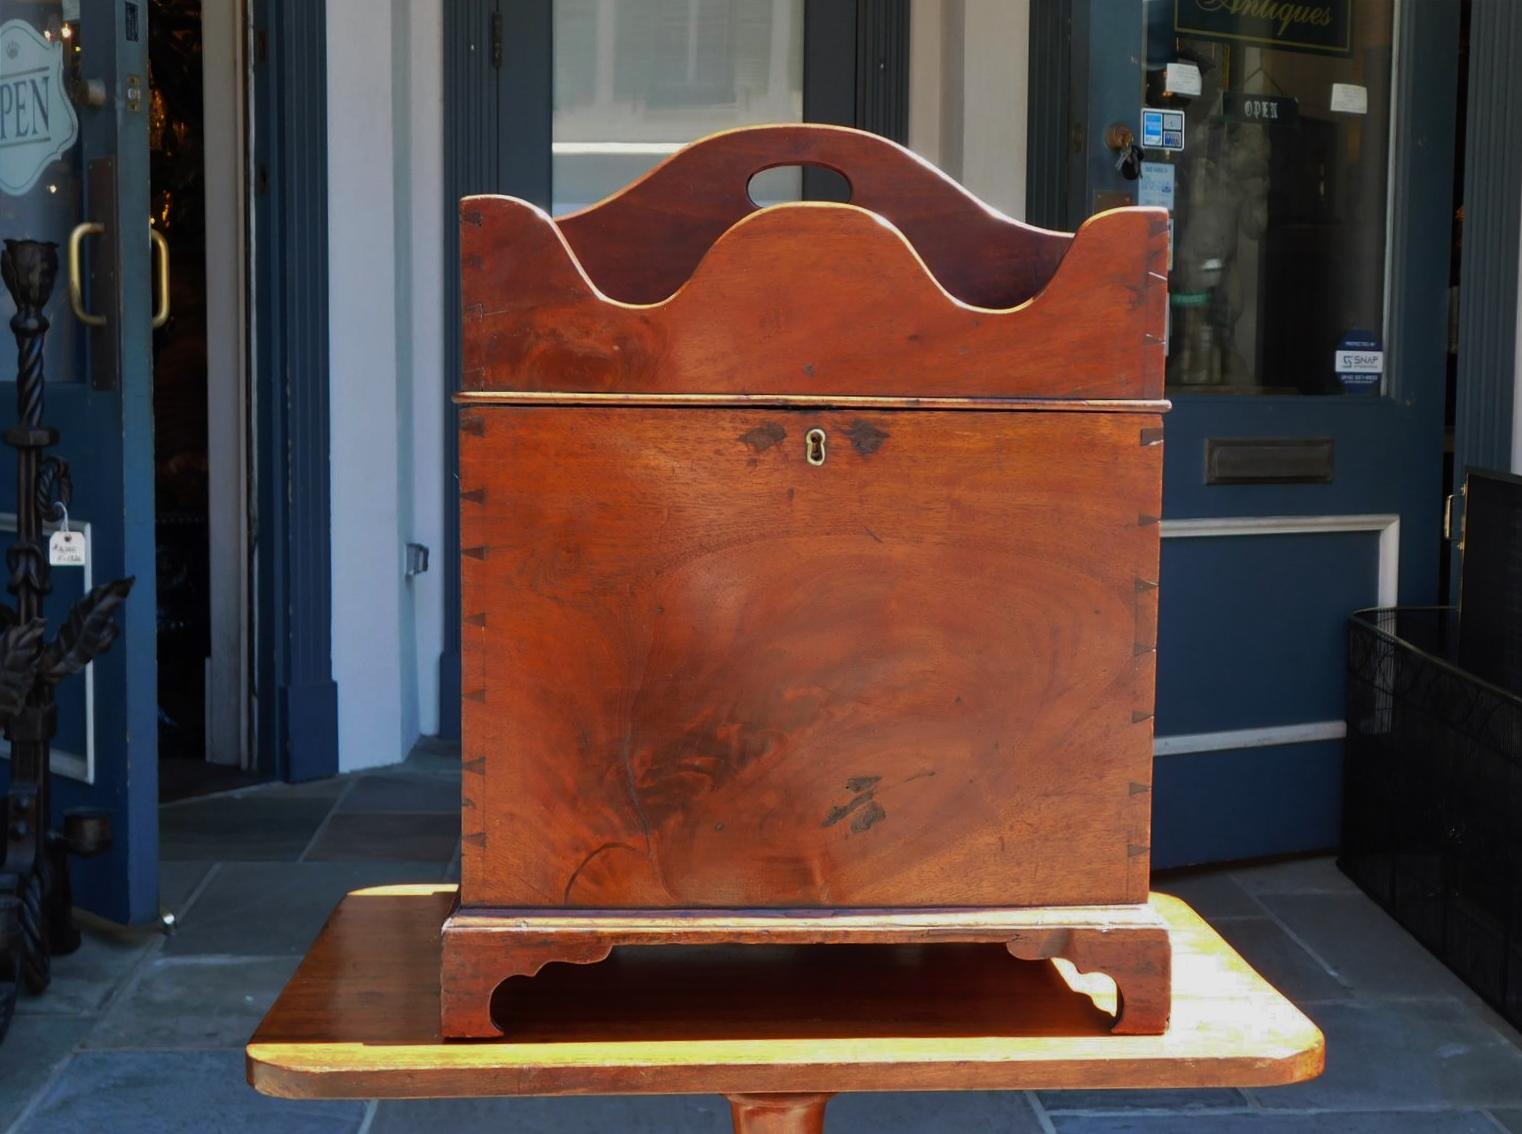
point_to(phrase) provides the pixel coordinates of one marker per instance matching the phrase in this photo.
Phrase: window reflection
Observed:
(1279, 194)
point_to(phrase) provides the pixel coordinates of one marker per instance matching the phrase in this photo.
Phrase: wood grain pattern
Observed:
(641, 244)
(778, 1114)
(360, 1019)
(699, 672)
(809, 562)
(810, 298)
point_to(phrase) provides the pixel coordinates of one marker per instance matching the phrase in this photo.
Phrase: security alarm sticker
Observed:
(1359, 362)
(1162, 129)
(37, 121)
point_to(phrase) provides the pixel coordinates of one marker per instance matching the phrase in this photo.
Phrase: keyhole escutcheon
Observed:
(813, 446)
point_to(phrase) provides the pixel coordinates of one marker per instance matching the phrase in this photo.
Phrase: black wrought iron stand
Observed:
(36, 919)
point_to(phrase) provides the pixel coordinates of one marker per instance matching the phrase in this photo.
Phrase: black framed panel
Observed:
(1488, 286)
(1050, 100)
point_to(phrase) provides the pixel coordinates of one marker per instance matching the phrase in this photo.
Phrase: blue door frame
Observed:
(1257, 580)
(296, 711)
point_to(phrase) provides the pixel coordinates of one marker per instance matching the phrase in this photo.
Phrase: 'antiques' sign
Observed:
(37, 122)
(1324, 26)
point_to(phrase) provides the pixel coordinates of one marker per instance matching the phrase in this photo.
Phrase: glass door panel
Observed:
(637, 79)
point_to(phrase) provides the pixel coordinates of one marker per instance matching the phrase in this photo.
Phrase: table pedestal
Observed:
(778, 1114)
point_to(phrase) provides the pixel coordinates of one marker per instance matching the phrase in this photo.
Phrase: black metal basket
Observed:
(1432, 801)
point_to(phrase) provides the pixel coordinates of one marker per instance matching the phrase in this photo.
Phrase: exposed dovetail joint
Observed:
(473, 423)
(475, 695)
(476, 840)
(1140, 789)
(1152, 435)
(1137, 716)
(474, 552)
(475, 496)
(1145, 520)
(474, 767)
(1144, 585)
(476, 619)
(1133, 850)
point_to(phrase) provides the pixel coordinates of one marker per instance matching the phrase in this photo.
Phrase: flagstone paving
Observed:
(143, 1031)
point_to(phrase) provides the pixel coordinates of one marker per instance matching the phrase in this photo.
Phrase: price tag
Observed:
(67, 549)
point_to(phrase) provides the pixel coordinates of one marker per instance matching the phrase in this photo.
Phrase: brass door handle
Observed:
(76, 276)
(161, 308)
(77, 282)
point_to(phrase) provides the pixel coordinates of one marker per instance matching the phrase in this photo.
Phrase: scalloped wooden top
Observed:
(678, 285)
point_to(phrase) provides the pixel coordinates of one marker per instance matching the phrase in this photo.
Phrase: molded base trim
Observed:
(482, 947)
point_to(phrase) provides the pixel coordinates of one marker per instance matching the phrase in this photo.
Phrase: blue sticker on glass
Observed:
(1359, 362)
(1162, 129)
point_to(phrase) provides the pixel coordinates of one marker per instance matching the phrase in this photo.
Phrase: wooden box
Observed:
(809, 572)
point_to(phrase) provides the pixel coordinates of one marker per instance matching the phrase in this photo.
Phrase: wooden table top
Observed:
(360, 1019)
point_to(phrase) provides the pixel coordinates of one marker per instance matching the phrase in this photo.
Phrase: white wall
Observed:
(384, 218)
(969, 66)
(428, 394)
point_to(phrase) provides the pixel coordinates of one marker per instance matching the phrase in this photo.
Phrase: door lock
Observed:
(1122, 140)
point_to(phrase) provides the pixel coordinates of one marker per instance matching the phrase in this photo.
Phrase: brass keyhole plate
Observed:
(813, 446)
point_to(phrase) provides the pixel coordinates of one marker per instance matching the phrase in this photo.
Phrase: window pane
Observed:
(1279, 193)
(636, 79)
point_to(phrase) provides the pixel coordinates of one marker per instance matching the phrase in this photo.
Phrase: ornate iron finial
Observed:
(29, 268)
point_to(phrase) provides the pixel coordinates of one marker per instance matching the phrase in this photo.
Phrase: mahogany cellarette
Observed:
(808, 572)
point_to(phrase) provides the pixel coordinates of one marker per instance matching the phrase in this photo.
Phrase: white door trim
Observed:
(1232, 739)
(1385, 525)
(225, 83)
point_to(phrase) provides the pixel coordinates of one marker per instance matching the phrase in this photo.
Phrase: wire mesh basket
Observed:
(1432, 803)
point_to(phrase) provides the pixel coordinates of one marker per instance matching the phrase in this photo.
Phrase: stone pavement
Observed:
(143, 1032)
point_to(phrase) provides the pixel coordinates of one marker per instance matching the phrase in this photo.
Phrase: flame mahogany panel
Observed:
(700, 672)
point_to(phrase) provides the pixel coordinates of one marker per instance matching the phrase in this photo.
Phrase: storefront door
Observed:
(1308, 167)
(74, 124)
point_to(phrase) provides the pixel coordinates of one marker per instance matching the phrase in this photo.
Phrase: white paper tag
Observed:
(1350, 98)
(1155, 186)
(1182, 79)
(67, 549)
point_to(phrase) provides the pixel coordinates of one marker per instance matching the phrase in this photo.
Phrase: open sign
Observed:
(37, 120)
